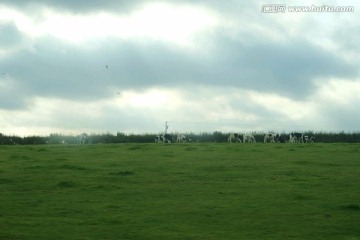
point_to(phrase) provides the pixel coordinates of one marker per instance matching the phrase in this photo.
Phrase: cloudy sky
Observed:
(100, 66)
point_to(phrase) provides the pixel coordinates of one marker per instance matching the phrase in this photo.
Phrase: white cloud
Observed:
(151, 98)
(159, 22)
(174, 23)
(341, 93)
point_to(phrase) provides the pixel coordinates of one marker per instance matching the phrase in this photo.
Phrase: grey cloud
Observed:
(55, 69)
(59, 76)
(10, 35)
(12, 94)
(287, 68)
(79, 6)
(75, 6)
(344, 118)
(83, 6)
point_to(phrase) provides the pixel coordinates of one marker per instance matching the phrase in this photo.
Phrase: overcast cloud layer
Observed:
(129, 66)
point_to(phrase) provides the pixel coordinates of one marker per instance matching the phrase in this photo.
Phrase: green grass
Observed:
(180, 191)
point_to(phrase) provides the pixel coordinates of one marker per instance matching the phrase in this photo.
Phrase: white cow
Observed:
(180, 138)
(234, 136)
(249, 138)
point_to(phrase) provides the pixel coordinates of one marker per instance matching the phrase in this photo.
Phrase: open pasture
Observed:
(180, 191)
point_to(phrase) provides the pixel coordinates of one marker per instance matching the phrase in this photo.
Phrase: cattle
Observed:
(180, 139)
(234, 136)
(158, 139)
(274, 138)
(249, 138)
(280, 138)
(296, 137)
(309, 139)
(167, 138)
(270, 137)
(164, 138)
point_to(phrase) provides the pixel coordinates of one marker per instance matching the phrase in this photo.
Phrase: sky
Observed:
(106, 66)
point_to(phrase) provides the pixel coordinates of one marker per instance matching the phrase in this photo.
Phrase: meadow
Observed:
(180, 191)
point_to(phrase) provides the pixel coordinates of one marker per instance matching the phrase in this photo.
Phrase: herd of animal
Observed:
(294, 137)
(168, 138)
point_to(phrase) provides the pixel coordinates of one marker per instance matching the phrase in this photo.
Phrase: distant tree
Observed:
(218, 137)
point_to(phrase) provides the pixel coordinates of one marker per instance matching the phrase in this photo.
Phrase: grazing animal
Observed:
(296, 137)
(280, 138)
(248, 138)
(309, 139)
(180, 138)
(234, 136)
(164, 138)
(158, 139)
(167, 138)
(270, 137)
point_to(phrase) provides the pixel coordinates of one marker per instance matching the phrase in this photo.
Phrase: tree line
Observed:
(217, 136)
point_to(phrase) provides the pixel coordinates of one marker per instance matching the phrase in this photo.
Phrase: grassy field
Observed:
(180, 191)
